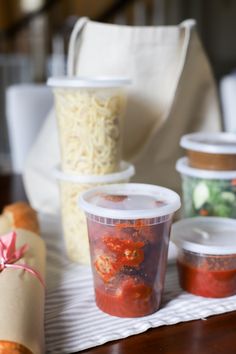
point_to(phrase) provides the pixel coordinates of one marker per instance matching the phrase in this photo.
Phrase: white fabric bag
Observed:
(172, 93)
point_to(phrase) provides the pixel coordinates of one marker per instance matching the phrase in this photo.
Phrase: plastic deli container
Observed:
(129, 226)
(211, 151)
(206, 255)
(73, 218)
(89, 113)
(207, 193)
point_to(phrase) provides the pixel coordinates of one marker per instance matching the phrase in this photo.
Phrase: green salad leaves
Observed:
(204, 197)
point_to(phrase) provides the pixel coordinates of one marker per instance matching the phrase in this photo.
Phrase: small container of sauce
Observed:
(206, 258)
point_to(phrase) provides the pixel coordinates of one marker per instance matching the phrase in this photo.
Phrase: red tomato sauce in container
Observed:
(206, 258)
(128, 228)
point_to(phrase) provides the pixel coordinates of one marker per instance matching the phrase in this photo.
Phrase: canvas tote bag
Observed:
(172, 93)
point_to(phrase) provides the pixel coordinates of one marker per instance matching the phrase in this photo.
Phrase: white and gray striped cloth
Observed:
(72, 320)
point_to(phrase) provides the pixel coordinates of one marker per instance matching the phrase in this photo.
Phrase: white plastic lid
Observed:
(183, 167)
(212, 143)
(205, 235)
(130, 201)
(127, 171)
(87, 82)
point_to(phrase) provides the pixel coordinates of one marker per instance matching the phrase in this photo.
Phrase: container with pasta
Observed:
(73, 218)
(89, 113)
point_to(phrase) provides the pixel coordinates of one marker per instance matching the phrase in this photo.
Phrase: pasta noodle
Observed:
(90, 123)
(74, 220)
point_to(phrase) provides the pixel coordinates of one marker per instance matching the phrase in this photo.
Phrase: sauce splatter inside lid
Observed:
(130, 201)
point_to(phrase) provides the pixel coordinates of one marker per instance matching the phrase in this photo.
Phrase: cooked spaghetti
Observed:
(74, 220)
(90, 122)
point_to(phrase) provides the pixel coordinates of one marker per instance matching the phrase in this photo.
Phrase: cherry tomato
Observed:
(203, 212)
(233, 182)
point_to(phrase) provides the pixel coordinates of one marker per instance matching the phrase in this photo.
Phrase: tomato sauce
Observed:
(129, 300)
(129, 262)
(207, 281)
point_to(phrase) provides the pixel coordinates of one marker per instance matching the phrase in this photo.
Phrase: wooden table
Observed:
(216, 335)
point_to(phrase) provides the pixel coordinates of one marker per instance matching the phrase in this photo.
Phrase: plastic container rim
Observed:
(188, 142)
(129, 189)
(182, 166)
(127, 171)
(199, 249)
(88, 82)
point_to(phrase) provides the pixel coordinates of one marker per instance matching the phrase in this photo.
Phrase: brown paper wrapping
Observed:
(22, 297)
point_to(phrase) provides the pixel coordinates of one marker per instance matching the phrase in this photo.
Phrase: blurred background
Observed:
(34, 37)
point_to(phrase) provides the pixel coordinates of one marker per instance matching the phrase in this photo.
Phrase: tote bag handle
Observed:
(73, 49)
(73, 52)
(73, 45)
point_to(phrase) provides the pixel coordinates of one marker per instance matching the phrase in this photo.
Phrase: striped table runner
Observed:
(72, 320)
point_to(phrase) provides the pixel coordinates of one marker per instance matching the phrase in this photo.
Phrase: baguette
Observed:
(7, 347)
(22, 219)
(20, 216)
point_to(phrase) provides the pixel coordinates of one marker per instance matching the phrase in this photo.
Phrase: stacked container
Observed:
(206, 244)
(209, 174)
(89, 114)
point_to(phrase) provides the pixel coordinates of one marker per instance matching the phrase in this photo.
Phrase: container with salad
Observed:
(211, 151)
(128, 228)
(206, 255)
(207, 193)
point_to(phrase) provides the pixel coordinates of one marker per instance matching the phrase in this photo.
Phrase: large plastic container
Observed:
(129, 226)
(206, 255)
(73, 218)
(211, 151)
(89, 113)
(207, 193)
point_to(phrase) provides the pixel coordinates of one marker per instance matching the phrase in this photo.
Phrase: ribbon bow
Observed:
(9, 255)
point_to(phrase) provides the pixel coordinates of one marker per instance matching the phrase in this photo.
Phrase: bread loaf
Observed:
(22, 298)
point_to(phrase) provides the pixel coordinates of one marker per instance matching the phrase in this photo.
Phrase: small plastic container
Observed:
(207, 193)
(206, 255)
(211, 151)
(73, 218)
(129, 226)
(89, 113)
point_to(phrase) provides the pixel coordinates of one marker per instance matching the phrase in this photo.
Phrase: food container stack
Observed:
(209, 174)
(89, 114)
(206, 244)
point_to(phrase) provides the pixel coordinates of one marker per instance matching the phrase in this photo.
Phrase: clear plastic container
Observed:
(89, 113)
(73, 218)
(207, 193)
(129, 226)
(206, 256)
(211, 151)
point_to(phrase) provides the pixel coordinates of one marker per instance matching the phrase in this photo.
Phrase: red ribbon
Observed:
(9, 255)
